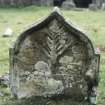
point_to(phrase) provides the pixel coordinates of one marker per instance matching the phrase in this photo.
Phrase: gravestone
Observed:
(93, 7)
(103, 6)
(8, 32)
(53, 58)
(68, 4)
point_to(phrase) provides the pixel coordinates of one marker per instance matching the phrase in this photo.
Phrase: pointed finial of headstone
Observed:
(57, 9)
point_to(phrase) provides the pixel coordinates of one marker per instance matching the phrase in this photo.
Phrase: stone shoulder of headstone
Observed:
(8, 32)
(93, 7)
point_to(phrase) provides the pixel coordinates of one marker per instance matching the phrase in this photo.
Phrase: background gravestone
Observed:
(53, 58)
(68, 4)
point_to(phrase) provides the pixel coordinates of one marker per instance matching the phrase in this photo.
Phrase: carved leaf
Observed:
(56, 42)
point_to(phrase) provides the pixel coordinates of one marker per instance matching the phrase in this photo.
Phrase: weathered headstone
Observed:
(54, 58)
(68, 4)
(103, 6)
(93, 7)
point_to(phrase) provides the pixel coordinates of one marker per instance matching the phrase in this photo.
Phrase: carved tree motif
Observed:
(57, 42)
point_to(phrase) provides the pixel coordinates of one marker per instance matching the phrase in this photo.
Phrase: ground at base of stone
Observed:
(39, 101)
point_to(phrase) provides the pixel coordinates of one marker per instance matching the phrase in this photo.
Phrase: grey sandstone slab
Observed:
(68, 4)
(54, 58)
(8, 32)
(93, 7)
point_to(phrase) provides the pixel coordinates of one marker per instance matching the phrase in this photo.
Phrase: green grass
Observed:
(20, 18)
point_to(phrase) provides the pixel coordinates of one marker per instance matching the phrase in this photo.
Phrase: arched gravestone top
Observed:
(53, 58)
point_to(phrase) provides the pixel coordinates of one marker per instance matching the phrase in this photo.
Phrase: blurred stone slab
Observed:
(1, 94)
(103, 6)
(4, 80)
(68, 4)
(8, 32)
(53, 58)
(93, 7)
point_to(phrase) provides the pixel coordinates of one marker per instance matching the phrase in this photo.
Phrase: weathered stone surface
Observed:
(53, 58)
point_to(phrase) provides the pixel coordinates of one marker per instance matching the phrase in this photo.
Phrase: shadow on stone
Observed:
(46, 101)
